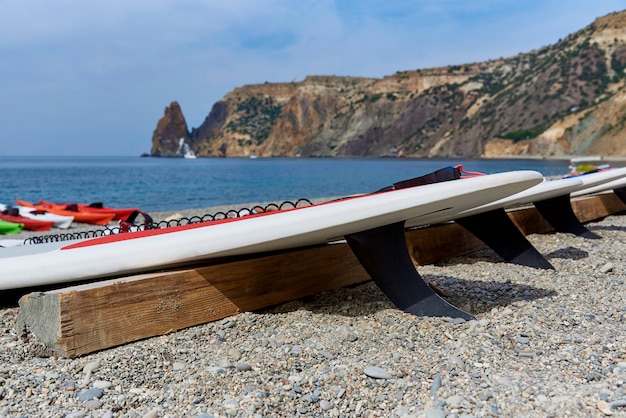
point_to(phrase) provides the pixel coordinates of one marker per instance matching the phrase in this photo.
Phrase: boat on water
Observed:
(185, 150)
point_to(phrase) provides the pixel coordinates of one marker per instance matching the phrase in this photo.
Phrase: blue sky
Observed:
(93, 77)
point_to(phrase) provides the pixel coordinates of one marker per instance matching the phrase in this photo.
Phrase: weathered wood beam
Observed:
(81, 319)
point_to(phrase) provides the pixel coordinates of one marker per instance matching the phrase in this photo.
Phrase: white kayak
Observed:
(60, 221)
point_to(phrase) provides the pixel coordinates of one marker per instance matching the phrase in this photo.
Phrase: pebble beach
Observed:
(545, 343)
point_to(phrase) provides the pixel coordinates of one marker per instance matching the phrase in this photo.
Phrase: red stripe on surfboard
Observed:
(162, 231)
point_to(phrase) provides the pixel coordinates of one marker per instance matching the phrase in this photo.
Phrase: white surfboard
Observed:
(151, 250)
(544, 190)
(602, 187)
(599, 180)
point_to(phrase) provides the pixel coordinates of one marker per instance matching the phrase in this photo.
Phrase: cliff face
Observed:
(564, 99)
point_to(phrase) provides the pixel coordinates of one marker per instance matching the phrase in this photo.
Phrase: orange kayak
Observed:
(119, 213)
(79, 216)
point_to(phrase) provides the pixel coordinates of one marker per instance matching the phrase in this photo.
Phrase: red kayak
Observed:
(79, 216)
(118, 213)
(29, 223)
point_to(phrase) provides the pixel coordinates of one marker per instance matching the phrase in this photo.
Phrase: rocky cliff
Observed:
(563, 99)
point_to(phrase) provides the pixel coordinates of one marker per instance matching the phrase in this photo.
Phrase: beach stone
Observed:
(435, 413)
(457, 361)
(325, 405)
(327, 354)
(243, 367)
(88, 394)
(376, 372)
(296, 350)
(179, 365)
(101, 384)
(229, 323)
(93, 404)
(152, 414)
(504, 381)
(234, 354)
(435, 386)
(454, 401)
(69, 386)
(485, 396)
(608, 267)
(224, 363)
(91, 366)
(604, 407)
(620, 403)
(348, 334)
(76, 414)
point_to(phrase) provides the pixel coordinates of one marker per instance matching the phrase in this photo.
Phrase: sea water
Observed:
(167, 184)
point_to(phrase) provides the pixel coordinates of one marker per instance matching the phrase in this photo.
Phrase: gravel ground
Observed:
(545, 344)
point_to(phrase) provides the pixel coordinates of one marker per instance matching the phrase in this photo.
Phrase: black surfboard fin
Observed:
(383, 253)
(497, 231)
(559, 213)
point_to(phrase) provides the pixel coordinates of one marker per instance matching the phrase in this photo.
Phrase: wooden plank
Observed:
(82, 319)
(597, 207)
(530, 221)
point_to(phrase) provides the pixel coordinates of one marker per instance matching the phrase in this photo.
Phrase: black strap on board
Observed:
(443, 174)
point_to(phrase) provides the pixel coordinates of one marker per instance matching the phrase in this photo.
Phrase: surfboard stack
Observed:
(158, 281)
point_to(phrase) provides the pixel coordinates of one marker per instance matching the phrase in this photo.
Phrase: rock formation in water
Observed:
(169, 131)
